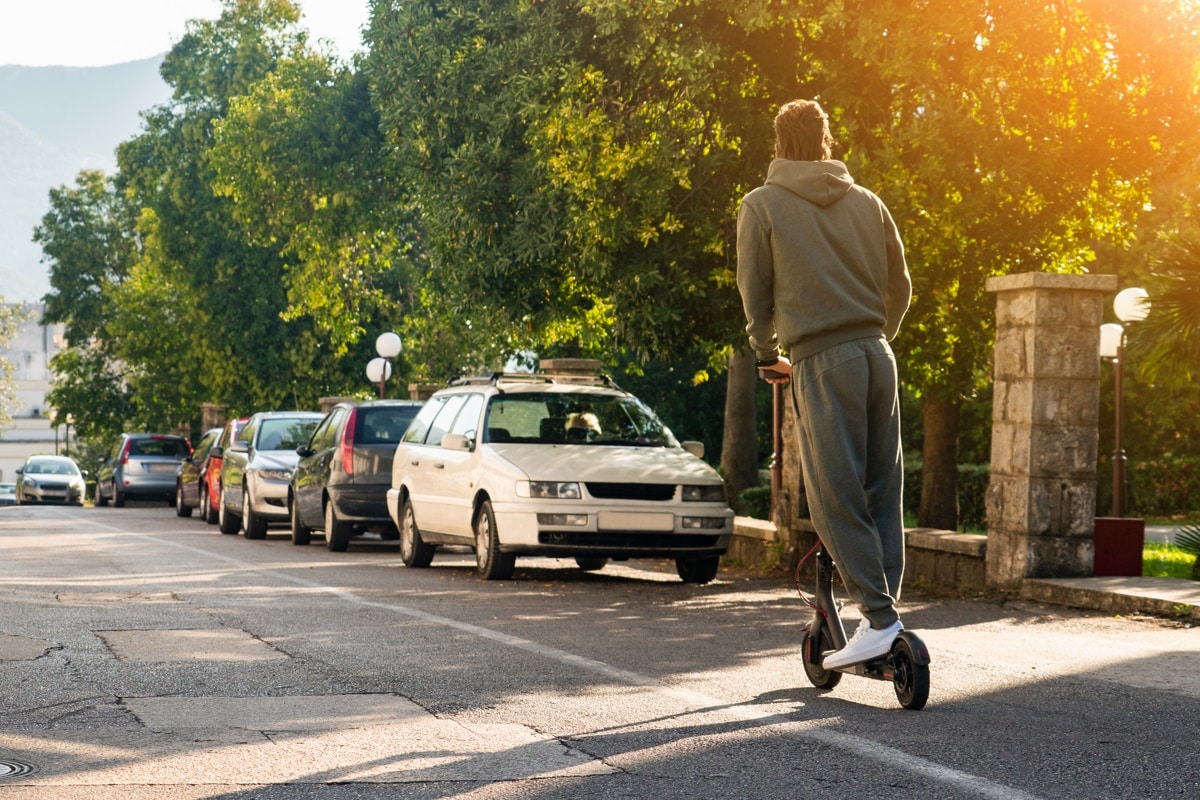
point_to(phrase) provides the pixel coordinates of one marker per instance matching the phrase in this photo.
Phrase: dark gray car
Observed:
(341, 481)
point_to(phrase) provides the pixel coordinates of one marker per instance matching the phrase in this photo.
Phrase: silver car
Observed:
(142, 466)
(50, 479)
(257, 467)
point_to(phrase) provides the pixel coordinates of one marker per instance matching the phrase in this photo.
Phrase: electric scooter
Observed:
(906, 665)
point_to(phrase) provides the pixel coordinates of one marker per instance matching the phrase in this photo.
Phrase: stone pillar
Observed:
(326, 404)
(1041, 500)
(213, 415)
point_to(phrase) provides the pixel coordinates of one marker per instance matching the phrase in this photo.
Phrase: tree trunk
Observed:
(739, 446)
(939, 473)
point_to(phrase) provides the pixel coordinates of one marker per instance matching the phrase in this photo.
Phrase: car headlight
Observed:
(29, 483)
(707, 493)
(555, 490)
(283, 475)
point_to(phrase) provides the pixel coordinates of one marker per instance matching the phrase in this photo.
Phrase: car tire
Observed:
(254, 526)
(118, 498)
(337, 533)
(101, 500)
(207, 512)
(301, 533)
(227, 522)
(591, 563)
(414, 552)
(697, 569)
(181, 508)
(490, 563)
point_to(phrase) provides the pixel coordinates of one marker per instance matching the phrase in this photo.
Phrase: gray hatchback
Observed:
(142, 466)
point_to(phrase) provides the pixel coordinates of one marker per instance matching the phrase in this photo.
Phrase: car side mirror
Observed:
(303, 451)
(20, 470)
(695, 448)
(239, 447)
(215, 452)
(456, 441)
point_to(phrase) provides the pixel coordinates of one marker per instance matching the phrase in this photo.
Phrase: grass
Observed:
(1166, 561)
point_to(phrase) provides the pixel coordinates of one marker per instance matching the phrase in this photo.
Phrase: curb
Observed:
(1167, 597)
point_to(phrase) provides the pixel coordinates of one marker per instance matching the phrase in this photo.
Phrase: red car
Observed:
(210, 501)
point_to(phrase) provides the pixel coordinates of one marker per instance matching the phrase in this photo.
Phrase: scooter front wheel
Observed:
(812, 649)
(910, 662)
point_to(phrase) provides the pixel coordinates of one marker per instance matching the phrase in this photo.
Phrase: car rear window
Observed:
(382, 424)
(173, 447)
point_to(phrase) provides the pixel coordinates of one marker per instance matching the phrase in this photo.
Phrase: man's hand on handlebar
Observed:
(779, 372)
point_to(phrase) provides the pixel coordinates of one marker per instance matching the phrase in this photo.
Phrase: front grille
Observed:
(628, 540)
(632, 491)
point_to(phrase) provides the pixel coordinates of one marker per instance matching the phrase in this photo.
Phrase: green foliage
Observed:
(302, 158)
(1157, 487)
(755, 502)
(1188, 540)
(10, 320)
(577, 165)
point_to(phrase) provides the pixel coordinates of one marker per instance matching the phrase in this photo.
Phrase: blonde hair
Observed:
(802, 132)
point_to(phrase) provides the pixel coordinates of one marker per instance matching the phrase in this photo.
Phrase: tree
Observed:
(1005, 139)
(577, 168)
(302, 157)
(90, 240)
(10, 320)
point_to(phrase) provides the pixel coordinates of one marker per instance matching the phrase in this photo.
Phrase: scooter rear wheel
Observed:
(812, 649)
(911, 678)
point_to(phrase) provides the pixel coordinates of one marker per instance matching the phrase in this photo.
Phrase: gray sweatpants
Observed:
(848, 423)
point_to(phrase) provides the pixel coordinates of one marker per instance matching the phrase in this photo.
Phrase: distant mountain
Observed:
(54, 122)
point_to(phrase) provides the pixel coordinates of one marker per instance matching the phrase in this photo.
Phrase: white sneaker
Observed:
(865, 644)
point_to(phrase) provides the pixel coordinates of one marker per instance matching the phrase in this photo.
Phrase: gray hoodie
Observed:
(819, 261)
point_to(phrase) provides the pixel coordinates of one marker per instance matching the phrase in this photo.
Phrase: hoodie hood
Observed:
(819, 182)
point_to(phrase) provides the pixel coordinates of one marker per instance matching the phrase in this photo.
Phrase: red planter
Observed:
(1119, 543)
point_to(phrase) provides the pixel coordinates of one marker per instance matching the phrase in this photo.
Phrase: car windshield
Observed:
(51, 467)
(575, 418)
(285, 434)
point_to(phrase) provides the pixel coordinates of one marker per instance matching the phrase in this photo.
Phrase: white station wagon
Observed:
(554, 465)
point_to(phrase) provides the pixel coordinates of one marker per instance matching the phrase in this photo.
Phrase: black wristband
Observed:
(770, 362)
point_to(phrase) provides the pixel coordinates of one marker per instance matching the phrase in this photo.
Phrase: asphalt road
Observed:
(146, 656)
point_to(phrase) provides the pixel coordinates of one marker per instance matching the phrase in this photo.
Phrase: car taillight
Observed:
(348, 442)
(125, 453)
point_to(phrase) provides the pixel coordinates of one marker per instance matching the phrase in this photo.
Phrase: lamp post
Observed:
(1130, 305)
(387, 345)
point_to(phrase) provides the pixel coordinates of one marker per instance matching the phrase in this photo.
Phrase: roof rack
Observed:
(500, 378)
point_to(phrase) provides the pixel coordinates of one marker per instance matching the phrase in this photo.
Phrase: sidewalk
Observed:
(1166, 596)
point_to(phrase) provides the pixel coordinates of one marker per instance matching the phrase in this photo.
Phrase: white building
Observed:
(30, 431)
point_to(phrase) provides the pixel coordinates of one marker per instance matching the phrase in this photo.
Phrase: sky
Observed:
(96, 33)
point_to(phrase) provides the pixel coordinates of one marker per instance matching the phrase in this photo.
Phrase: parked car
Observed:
(341, 481)
(539, 464)
(50, 479)
(142, 466)
(210, 500)
(257, 467)
(191, 473)
(8, 494)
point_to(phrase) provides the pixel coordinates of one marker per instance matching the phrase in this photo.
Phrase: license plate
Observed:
(635, 521)
(162, 467)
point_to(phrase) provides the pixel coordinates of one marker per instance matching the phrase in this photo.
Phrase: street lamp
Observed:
(1130, 305)
(387, 345)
